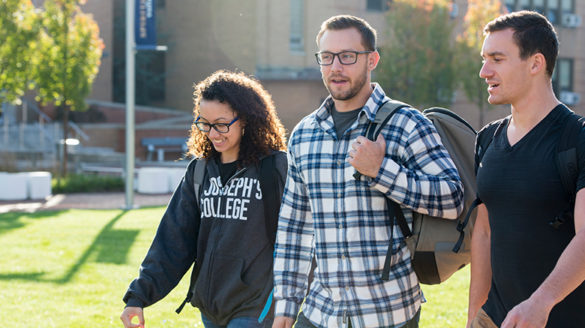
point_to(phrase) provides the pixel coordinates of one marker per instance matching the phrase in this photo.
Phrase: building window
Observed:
(568, 6)
(552, 9)
(297, 22)
(377, 5)
(553, 14)
(563, 75)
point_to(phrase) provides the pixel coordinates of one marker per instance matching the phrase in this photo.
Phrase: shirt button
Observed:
(346, 289)
(343, 257)
(339, 194)
(340, 226)
(339, 162)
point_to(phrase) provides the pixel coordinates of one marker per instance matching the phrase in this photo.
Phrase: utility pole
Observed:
(130, 103)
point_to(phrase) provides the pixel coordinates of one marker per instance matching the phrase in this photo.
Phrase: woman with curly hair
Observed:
(225, 229)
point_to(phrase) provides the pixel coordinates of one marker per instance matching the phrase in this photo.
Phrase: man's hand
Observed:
(528, 314)
(366, 156)
(283, 322)
(129, 313)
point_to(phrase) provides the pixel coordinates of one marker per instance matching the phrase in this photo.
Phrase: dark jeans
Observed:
(303, 322)
(243, 322)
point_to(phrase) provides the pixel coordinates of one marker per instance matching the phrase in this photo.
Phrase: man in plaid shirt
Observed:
(342, 221)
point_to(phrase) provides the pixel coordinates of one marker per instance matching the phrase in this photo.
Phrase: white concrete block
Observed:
(175, 176)
(39, 185)
(13, 186)
(153, 180)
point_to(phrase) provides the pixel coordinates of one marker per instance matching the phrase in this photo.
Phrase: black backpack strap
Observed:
(270, 195)
(566, 158)
(484, 139)
(398, 219)
(567, 164)
(198, 175)
(383, 115)
(462, 224)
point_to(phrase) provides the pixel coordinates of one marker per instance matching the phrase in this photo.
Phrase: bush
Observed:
(75, 183)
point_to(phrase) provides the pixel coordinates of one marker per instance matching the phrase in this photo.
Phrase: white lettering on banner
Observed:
(231, 201)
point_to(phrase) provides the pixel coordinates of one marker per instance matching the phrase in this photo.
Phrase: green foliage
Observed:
(417, 63)
(75, 183)
(468, 50)
(19, 31)
(70, 50)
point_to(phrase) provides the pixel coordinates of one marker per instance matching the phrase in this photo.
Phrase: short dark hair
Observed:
(342, 22)
(533, 33)
(252, 104)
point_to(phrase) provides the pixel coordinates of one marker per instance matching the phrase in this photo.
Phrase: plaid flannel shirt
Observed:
(344, 222)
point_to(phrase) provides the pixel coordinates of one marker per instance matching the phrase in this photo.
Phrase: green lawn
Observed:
(71, 269)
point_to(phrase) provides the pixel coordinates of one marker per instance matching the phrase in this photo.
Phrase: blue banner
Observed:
(145, 24)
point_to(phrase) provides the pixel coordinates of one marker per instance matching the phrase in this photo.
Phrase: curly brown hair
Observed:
(263, 131)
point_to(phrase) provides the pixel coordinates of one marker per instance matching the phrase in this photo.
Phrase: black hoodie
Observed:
(227, 237)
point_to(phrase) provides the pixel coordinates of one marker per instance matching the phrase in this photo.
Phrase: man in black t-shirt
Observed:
(524, 272)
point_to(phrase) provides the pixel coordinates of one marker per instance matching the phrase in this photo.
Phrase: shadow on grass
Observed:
(109, 246)
(16, 220)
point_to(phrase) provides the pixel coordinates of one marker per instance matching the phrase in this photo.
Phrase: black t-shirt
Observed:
(343, 120)
(226, 170)
(521, 188)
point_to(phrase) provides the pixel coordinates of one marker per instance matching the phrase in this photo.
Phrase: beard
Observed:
(354, 88)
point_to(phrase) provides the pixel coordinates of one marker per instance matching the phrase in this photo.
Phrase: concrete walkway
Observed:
(110, 200)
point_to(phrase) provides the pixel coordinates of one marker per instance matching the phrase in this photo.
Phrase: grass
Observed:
(71, 268)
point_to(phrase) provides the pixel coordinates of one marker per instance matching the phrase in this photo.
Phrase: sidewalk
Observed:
(110, 200)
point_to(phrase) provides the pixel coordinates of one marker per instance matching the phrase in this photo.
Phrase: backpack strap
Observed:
(566, 158)
(484, 139)
(398, 218)
(269, 184)
(567, 164)
(383, 115)
(198, 175)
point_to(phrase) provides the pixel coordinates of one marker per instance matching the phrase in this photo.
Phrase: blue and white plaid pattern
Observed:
(345, 221)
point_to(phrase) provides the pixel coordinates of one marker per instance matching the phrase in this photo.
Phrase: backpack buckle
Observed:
(460, 226)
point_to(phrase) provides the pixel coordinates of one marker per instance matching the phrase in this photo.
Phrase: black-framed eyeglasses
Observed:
(219, 127)
(325, 58)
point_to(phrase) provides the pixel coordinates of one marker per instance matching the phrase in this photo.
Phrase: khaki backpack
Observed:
(439, 247)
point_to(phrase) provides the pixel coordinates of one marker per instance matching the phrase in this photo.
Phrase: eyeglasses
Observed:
(326, 58)
(219, 127)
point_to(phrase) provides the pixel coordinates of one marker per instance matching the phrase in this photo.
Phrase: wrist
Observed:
(543, 299)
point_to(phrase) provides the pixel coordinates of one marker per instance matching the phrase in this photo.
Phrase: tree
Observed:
(19, 30)
(469, 43)
(417, 64)
(70, 52)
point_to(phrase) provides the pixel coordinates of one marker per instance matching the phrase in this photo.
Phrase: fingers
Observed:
(282, 322)
(129, 313)
(381, 140)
